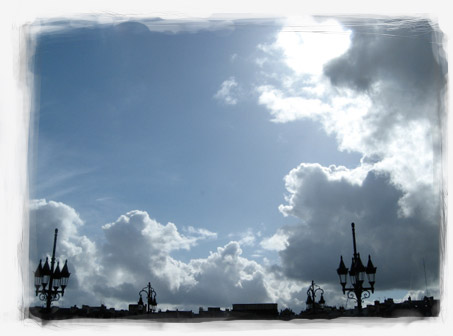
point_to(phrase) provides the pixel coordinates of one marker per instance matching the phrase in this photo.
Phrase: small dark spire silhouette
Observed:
(56, 276)
(65, 272)
(38, 272)
(46, 273)
(322, 301)
(342, 268)
(360, 267)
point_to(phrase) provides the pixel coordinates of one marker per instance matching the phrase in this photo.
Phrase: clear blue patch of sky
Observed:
(128, 120)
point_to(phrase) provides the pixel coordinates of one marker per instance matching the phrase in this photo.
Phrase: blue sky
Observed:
(132, 120)
(260, 140)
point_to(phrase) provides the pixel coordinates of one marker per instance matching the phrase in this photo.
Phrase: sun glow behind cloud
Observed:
(374, 103)
(308, 44)
(368, 122)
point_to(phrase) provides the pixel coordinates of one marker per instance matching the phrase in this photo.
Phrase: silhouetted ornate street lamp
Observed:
(356, 275)
(49, 279)
(151, 295)
(311, 297)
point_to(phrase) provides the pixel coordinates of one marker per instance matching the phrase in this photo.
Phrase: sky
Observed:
(224, 161)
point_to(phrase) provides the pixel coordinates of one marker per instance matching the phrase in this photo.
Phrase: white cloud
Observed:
(67, 218)
(277, 242)
(203, 233)
(228, 91)
(248, 240)
(380, 122)
(225, 276)
(245, 238)
(81, 252)
(298, 178)
(261, 61)
(355, 124)
(165, 238)
(137, 249)
(286, 109)
(379, 96)
(141, 244)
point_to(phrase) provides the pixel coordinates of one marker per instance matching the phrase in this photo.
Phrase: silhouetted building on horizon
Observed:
(255, 310)
(427, 307)
(213, 312)
(137, 309)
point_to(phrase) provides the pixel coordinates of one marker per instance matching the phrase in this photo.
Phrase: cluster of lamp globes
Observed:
(357, 273)
(44, 275)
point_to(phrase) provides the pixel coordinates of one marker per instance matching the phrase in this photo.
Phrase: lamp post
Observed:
(311, 297)
(49, 279)
(356, 275)
(151, 295)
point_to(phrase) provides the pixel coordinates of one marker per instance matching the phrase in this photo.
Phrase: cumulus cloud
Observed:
(277, 242)
(390, 116)
(137, 245)
(236, 278)
(81, 252)
(380, 96)
(137, 249)
(228, 91)
(328, 205)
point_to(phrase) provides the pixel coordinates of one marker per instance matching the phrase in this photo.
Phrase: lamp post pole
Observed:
(356, 275)
(151, 295)
(52, 265)
(311, 296)
(48, 280)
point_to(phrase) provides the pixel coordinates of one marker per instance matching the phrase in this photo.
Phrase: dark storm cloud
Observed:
(394, 194)
(398, 245)
(400, 65)
(392, 50)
